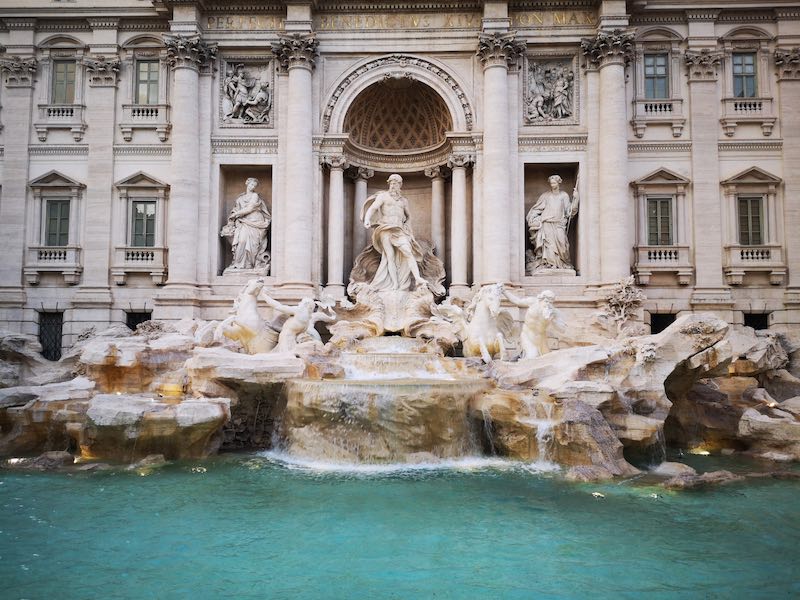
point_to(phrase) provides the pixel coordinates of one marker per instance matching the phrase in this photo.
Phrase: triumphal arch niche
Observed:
(407, 115)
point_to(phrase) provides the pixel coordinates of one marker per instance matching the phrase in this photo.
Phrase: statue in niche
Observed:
(548, 225)
(395, 260)
(248, 230)
(539, 316)
(246, 99)
(551, 88)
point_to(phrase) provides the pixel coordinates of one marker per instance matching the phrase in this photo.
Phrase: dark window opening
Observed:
(133, 319)
(51, 325)
(756, 320)
(660, 321)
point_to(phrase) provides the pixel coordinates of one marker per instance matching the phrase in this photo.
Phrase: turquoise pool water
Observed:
(250, 527)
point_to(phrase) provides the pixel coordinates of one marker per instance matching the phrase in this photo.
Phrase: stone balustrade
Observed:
(53, 259)
(675, 260)
(145, 116)
(736, 111)
(137, 259)
(767, 258)
(61, 116)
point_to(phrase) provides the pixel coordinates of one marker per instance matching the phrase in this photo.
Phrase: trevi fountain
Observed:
(381, 426)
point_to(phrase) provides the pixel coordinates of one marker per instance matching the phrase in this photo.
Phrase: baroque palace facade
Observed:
(131, 131)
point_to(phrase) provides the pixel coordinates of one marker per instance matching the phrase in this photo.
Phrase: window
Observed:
(57, 222)
(143, 223)
(751, 231)
(744, 75)
(660, 321)
(63, 82)
(50, 328)
(134, 319)
(659, 221)
(756, 320)
(656, 76)
(146, 82)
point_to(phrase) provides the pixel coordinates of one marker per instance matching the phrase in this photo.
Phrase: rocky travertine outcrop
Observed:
(21, 362)
(629, 382)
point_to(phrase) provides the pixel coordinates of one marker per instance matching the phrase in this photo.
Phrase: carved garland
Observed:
(403, 61)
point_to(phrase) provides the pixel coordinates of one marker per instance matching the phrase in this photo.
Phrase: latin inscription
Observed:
(378, 21)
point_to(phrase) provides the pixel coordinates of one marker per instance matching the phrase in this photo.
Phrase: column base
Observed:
(334, 290)
(297, 289)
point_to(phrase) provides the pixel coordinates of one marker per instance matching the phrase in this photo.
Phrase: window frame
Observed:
(661, 200)
(67, 87)
(743, 77)
(668, 110)
(655, 77)
(133, 201)
(750, 198)
(137, 81)
(61, 231)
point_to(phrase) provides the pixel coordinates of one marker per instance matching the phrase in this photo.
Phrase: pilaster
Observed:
(458, 164)
(436, 175)
(336, 163)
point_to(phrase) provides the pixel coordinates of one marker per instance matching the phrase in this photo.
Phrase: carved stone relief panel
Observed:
(551, 91)
(246, 92)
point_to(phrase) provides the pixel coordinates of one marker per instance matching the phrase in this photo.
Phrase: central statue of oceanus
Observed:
(395, 260)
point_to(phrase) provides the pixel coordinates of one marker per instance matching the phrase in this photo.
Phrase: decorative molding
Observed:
(142, 150)
(335, 161)
(608, 47)
(402, 60)
(336, 6)
(788, 63)
(654, 147)
(232, 145)
(702, 14)
(499, 49)
(702, 65)
(296, 50)
(364, 173)
(189, 52)
(58, 150)
(750, 146)
(19, 71)
(551, 91)
(564, 143)
(435, 172)
(103, 72)
(103, 22)
(460, 160)
(19, 23)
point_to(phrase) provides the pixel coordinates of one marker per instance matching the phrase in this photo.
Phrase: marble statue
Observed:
(395, 260)
(248, 229)
(482, 326)
(245, 325)
(539, 316)
(548, 224)
(246, 99)
(299, 326)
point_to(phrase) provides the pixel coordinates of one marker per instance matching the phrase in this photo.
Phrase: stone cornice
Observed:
(539, 143)
(336, 6)
(19, 23)
(58, 150)
(142, 150)
(708, 14)
(499, 49)
(190, 52)
(296, 50)
(702, 65)
(608, 47)
(232, 145)
(657, 147)
(788, 63)
(103, 22)
(19, 71)
(103, 71)
(752, 146)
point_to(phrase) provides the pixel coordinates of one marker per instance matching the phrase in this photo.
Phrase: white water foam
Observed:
(465, 464)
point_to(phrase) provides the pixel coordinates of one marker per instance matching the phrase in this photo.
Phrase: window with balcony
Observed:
(147, 81)
(656, 76)
(139, 232)
(754, 234)
(751, 230)
(145, 109)
(659, 221)
(662, 249)
(63, 82)
(657, 99)
(53, 232)
(747, 100)
(744, 75)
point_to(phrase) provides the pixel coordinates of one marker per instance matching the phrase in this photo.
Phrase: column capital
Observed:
(19, 71)
(460, 160)
(336, 161)
(296, 50)
(188, 51)
(499, 49)
(702, 64)
(364, 173)
(608, 48)
(435, 172)
(788, 62)
(103, 71)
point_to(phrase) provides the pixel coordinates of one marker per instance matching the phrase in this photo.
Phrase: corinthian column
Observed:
(437, 208)
(496, 51)
(609, 51)
(458, 163)
(186, 55)
(362, 174)
(337, 164)
(296, 53)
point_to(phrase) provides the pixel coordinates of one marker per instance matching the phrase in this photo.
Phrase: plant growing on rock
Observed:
(621, 304)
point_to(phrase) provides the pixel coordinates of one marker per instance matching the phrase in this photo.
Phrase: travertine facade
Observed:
(129, 129)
